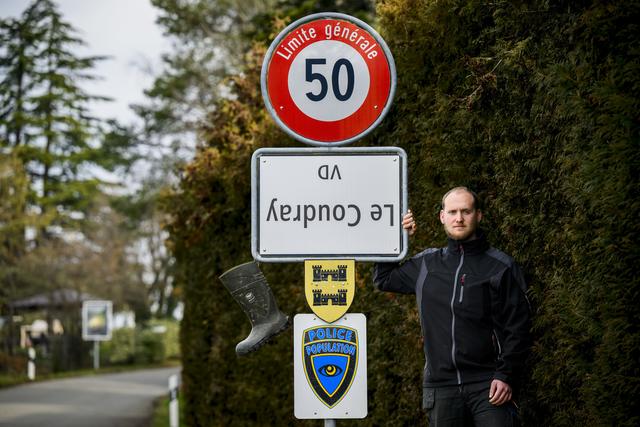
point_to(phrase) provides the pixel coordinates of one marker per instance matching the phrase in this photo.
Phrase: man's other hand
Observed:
(499, 393)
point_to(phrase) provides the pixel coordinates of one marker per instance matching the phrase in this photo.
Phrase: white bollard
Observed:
(173, 401)
(31, 364)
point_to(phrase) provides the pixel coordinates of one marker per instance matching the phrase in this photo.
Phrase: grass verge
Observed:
(161, 412)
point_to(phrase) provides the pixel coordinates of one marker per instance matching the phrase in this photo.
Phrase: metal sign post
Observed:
(96, 355)
(327, 80)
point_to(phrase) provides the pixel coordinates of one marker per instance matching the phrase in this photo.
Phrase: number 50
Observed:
(310, 76)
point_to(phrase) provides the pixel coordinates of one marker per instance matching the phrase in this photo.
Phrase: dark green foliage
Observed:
(533, 104)
(291, 10)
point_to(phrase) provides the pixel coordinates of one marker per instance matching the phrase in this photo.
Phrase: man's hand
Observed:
(408, 223)
(499, 393)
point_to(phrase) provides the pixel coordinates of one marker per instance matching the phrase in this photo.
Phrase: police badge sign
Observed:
(329, 286)
(330, 356)
(330, 367)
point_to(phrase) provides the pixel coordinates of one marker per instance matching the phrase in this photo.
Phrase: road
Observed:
(123, 400)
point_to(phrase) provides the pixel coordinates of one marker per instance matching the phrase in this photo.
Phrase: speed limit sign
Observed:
(328, 79)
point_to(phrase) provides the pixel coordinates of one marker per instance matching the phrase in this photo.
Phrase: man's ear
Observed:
(442, 216)
(479, 215)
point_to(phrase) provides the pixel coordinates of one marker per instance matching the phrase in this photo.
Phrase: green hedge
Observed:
(533, 104)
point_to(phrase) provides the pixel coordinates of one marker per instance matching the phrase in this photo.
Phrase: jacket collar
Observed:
(470, 247)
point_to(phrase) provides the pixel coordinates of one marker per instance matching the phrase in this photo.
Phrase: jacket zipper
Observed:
(462, 287)
(498, 342)
(453, 316)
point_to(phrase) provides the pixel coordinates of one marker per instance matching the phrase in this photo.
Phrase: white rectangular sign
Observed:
(330, 367)
(328, 203)
(97, 320)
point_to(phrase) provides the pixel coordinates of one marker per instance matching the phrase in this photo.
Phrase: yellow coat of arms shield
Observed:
(329, 286)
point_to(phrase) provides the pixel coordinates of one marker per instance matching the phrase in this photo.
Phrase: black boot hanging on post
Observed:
(250, 289)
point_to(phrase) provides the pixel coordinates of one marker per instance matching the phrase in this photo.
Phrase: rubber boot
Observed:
(250, 289)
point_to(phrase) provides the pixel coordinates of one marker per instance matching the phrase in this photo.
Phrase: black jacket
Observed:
(473, 310)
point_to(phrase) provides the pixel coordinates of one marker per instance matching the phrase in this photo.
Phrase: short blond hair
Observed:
(476, 199)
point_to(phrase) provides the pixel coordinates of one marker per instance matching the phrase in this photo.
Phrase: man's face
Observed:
(459, 217)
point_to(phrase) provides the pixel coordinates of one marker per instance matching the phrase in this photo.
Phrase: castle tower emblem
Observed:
(329, 287)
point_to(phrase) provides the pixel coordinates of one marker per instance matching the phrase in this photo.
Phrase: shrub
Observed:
(120, 350)
(149, 348)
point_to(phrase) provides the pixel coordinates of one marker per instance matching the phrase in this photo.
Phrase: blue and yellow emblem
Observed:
(330, 355)
(329, 286)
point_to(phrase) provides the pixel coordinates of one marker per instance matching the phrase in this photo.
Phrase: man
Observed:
(474, 316)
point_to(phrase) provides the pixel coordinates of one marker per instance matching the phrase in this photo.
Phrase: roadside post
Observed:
(31, 364)
(328, 79)
(173, 401)
(97, 322)
(96, 355)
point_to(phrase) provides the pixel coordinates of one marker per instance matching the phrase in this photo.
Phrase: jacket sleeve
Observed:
(511, 319)
(395, 277)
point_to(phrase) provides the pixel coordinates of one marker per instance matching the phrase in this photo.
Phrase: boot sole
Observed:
(266, 340)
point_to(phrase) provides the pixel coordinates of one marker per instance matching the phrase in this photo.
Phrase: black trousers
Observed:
(467, 406)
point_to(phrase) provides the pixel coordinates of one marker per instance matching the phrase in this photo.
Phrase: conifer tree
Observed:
(61, 135)
(50, 150)
(17, 61)
(44, 114)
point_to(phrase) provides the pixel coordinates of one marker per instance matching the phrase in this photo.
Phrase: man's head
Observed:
(460, 213)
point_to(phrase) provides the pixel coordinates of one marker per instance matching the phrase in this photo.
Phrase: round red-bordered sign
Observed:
(328, 79)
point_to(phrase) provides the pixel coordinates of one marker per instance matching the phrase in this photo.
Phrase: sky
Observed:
(126, 31)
